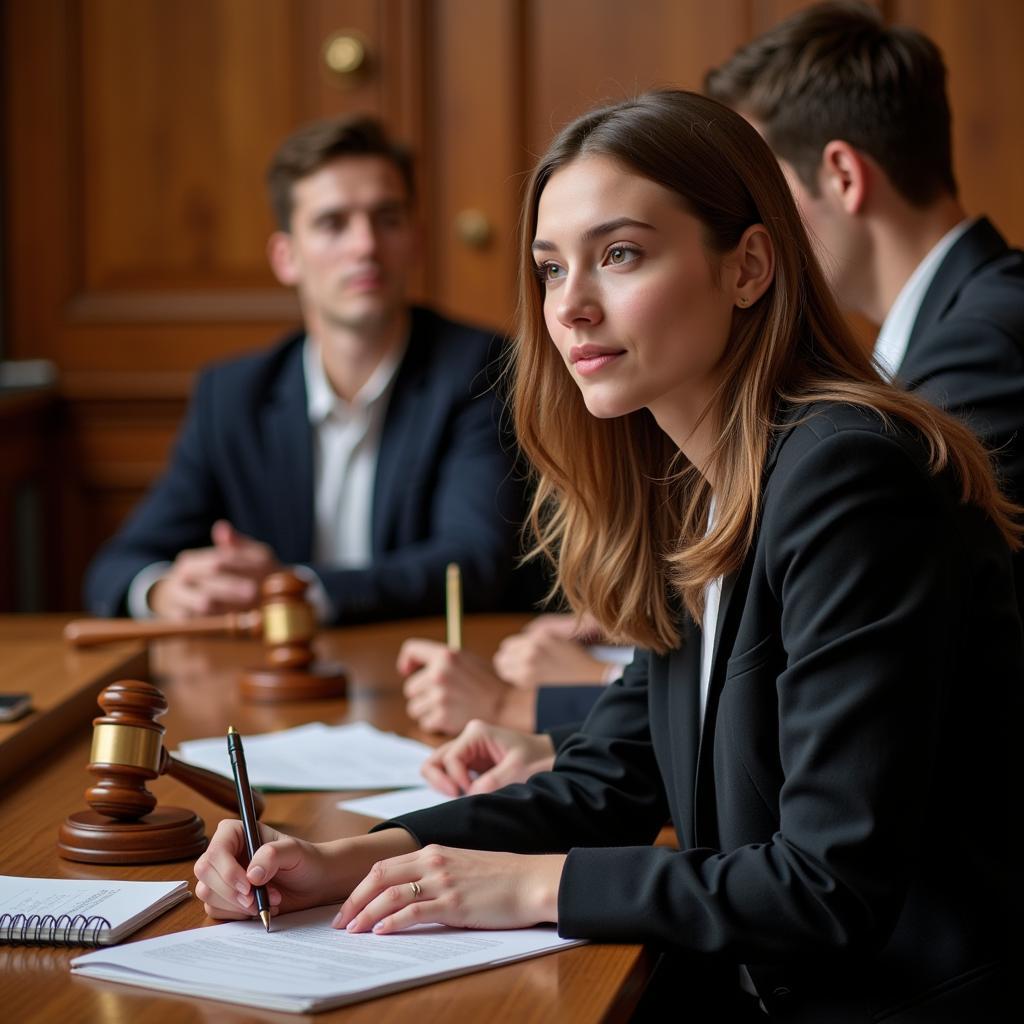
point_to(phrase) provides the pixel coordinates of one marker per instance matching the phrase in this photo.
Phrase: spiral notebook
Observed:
(80, 912)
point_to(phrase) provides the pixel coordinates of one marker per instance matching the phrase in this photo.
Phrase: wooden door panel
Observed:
(179, 114)
(981, 43)
(477, 157)
(146, 203)
(584, 53)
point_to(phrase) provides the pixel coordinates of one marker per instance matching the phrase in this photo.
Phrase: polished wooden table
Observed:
(63, 683)
(586, 984)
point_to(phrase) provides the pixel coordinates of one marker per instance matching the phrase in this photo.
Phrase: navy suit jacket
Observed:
(843, 816)
(445, 490)
(966, 351)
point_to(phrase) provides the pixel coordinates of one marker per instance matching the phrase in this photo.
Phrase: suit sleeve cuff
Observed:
(137, 600)
(316, 593)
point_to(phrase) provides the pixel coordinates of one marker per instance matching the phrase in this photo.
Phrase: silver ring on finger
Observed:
(416, 890)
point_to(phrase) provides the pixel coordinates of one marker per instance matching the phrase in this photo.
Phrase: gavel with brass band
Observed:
(125, 826)
(284, 620)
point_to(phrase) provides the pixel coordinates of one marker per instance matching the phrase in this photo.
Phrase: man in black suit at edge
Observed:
(857, 114)
(364, 450)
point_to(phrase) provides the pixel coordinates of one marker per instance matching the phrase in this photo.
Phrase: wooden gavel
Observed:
(127, 751)
(124, 825)
(284, 620)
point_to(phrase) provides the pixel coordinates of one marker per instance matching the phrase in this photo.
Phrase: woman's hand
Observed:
(445, 689)
(566, 625)
(461, 888)
(295, 872)
(498, 756)
(538, 657)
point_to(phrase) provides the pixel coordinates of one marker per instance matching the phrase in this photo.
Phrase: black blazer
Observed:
(843, 817)
(444, 489)
(966, 350)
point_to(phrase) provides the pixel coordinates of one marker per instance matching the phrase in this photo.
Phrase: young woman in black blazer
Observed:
(816, 569)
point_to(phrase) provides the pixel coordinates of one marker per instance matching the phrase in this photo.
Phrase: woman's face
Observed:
(630, 298)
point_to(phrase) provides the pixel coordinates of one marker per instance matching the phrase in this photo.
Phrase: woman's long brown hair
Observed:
(618, 509)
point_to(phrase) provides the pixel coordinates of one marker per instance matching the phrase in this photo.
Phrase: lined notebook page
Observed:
(80, 911)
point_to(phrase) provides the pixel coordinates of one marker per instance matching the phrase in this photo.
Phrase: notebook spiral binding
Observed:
(65, 929)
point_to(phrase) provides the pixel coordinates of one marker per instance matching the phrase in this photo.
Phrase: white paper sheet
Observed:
(401, 801)
(304, 964)
(611, 655)
(318, 756)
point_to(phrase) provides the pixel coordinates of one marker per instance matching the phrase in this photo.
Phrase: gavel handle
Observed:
(216, 788)
(90, 632)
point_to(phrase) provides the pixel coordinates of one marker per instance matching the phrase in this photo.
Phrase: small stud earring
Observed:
(743, 300)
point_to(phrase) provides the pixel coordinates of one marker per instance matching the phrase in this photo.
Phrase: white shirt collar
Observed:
(709, 625)
(894, 335)
(321, 399)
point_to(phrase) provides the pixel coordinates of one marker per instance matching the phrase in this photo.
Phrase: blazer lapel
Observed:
(684, 714)
(730, 607)
(980, 244)
(288, 472)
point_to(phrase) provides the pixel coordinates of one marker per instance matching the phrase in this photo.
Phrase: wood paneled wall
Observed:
(136, 133)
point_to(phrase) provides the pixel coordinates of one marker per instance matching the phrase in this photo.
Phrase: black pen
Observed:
(247, 811)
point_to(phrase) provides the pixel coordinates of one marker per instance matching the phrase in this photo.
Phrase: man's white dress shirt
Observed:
(346, 443)
(894, 335)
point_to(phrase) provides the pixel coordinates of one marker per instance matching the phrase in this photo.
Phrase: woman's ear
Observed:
(753, 265)
(281, 256)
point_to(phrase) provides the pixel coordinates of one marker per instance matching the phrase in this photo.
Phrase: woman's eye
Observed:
(619, 255)
(549, 271)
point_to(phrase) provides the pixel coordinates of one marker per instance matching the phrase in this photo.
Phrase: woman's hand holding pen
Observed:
(445, 689)
(297, 874)
(393, 884)
(460, 888)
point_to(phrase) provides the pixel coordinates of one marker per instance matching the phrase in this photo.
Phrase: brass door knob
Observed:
(345, 56)
(474, 228)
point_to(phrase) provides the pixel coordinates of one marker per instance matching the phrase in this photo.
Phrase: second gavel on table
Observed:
(284, 620)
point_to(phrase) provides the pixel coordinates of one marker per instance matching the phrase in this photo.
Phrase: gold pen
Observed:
(453, 606)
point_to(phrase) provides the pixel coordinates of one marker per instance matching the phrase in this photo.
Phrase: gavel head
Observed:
(288, 621)
(127, 750)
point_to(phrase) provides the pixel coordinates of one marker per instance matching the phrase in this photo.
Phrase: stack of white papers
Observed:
(318, 756)
(305, 965)
(390, 805)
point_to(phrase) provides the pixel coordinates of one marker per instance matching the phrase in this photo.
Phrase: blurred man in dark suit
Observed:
(365, 449)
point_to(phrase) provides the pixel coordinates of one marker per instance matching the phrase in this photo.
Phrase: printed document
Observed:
(304, 965)
(401, 801)
(318, 756)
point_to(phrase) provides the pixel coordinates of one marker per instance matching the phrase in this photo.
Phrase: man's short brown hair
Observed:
(314, 145)
(836, 71)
